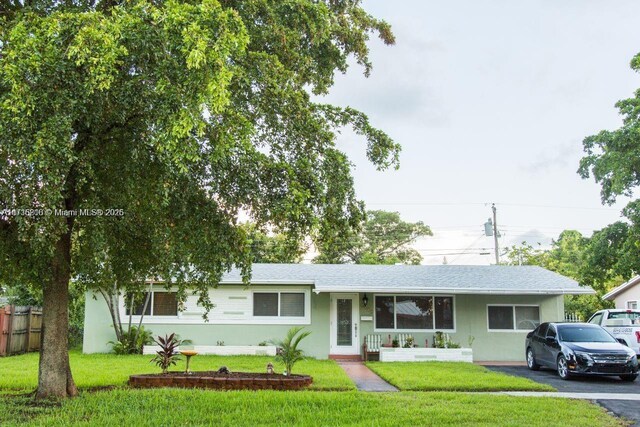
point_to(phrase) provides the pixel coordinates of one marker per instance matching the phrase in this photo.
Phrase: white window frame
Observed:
(151, 315)
(513, 310)
(283, 320)
(634, 302)
(247, 318)
(395, 315)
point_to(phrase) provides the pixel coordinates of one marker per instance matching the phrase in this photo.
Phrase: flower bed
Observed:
(215, 380)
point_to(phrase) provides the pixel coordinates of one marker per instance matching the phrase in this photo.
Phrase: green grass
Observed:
(177, 407)
(450, 376)
(104, 370)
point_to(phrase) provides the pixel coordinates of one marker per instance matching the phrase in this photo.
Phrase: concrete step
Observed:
(345, 357)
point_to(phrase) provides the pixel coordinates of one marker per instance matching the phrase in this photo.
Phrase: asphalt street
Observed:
(624, 408)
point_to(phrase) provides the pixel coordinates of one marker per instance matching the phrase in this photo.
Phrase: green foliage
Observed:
(288, 352)
(132, 341)
(165, 120)
(381, 238)
(523, 254)
(612, 160)
(273, 247)
(408, 342)
(592, 261)
(443, 340)
(167, 355)
(612, 156)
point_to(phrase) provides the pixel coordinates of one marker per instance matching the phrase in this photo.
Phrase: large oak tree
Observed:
(133, 133)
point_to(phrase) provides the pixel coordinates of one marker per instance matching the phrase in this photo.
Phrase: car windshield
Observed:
(633, 315)
(584, 334)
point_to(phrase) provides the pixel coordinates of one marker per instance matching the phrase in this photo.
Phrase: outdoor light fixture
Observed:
(365, 300)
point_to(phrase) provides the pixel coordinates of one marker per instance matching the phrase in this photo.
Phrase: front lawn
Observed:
(103, 370)
(179, 407)
(450, 376)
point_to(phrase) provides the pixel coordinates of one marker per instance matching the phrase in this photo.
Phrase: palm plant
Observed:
(288, 351)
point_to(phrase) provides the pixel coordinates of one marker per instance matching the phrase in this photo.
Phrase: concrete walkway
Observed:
(364, 378)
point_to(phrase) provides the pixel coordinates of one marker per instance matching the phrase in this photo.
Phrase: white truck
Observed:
(624, 325)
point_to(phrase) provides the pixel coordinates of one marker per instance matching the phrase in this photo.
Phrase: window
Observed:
(633, 315)
(385, 318)
(265, 304)
(291, 304)
(165, 304)
(159, 304)
(541, 331)
(596, 319)
(444, 312)
(278, 304)
(413, 312)
(632, 305)
(513, 317)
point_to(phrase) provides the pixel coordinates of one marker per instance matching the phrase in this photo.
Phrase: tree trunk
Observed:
(115, 315)
(54, 376)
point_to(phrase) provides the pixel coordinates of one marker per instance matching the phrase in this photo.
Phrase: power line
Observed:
(524, 205)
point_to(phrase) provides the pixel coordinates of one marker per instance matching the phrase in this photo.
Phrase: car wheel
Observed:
(629, 378)
(531, 360)
(563, 368)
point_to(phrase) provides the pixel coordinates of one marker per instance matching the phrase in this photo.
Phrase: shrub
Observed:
(167, 355)
(129, 344)
(408, 342)
(288, 352)
(443, 340)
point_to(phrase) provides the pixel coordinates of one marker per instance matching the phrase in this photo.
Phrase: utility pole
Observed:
(495, 233)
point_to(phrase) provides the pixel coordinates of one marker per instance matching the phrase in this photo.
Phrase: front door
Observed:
(344, 324)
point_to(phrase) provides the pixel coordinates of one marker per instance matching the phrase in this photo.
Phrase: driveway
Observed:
(623, 408)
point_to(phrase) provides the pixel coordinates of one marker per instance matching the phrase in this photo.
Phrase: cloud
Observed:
(533, 237)
(558, 157)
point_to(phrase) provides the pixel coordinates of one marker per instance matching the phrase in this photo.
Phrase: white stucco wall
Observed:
(630, 294)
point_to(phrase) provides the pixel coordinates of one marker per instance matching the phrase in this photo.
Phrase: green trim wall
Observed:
(470, 318)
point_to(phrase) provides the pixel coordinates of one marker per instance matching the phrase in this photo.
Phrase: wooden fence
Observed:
(19, 329)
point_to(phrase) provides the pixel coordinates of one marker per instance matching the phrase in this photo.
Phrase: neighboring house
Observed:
(627, 295)
(493, 305)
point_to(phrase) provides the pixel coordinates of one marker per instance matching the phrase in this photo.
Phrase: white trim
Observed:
(526, 331)
(247, 318)
(282, 320)
(123, 308)
(395, 317)
(457, 291)
(354, 348)
(421, 289)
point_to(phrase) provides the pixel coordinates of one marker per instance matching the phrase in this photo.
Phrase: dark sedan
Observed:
(579, 348)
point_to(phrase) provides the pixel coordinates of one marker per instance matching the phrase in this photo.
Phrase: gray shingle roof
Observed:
(461, 279)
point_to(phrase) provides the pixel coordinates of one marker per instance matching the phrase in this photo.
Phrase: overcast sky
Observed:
(490, 101)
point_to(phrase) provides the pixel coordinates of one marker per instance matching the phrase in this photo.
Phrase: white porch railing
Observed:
(573, 317)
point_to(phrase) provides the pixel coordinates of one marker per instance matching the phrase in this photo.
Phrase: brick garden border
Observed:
(235, 381)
